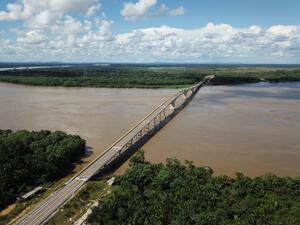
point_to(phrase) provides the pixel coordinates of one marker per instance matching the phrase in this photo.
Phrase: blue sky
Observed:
(203, 31)
(198, 13)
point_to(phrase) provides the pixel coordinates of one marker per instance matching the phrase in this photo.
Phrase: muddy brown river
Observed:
(252, 128)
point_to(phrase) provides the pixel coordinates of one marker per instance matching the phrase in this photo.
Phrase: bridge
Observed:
(115, 154)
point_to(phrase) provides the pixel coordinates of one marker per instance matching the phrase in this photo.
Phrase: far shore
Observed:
(145, 77)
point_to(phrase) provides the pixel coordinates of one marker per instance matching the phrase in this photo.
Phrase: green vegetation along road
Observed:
(146, 77)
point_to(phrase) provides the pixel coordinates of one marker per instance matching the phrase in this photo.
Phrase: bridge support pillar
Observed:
(185, 94)
(172, 105)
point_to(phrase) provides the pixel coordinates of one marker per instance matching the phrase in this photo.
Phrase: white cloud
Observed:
(31, 37)
(213, 41)
(72, 26)
(147, 9)
(44, 13)
(91, 39)
(103, 32)
(93, 9)
(177, 12)
(14, 12)
(282, 33)
(132, 11)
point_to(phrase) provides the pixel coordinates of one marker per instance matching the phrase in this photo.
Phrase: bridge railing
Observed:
(155, 121)
(162, 107)
(145, 130)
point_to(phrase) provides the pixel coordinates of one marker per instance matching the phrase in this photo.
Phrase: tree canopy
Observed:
(176, 193)
(146, 77)
(32, 158)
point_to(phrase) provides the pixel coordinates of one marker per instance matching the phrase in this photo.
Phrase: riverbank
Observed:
(173, 192)
(148, 77)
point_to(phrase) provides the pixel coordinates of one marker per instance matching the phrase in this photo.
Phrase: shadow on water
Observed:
(123, 157)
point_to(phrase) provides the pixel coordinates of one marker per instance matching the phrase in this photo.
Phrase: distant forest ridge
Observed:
(154, 64)
(147, 75)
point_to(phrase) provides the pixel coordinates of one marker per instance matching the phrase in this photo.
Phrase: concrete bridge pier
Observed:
(173, 105)
(185, 94)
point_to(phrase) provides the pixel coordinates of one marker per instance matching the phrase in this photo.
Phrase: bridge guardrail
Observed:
(170, 99)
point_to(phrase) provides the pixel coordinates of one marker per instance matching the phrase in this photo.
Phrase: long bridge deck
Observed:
(132, 139)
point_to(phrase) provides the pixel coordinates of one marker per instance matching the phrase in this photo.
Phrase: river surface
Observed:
(31, 67)
(252, 128)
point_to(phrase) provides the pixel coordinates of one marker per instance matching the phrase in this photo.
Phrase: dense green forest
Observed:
(29, 159)
(144, 77)
(176, 193)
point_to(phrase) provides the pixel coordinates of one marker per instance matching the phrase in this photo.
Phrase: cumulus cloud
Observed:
(147, 9)
(177, 12)
(92, 39)
(213, 41)
(44, 13)
(93, 9)
(14, 12)
(31, 37)
(132, 11)
(103, 32)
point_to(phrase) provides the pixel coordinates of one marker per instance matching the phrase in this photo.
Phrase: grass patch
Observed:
(77, 206)
(23, 207)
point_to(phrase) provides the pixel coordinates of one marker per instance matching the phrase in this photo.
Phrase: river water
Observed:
(252, 128)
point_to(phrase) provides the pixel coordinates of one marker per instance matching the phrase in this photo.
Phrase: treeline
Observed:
(143, 77)
(97, 77)
(29, 159)
(175, 193)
